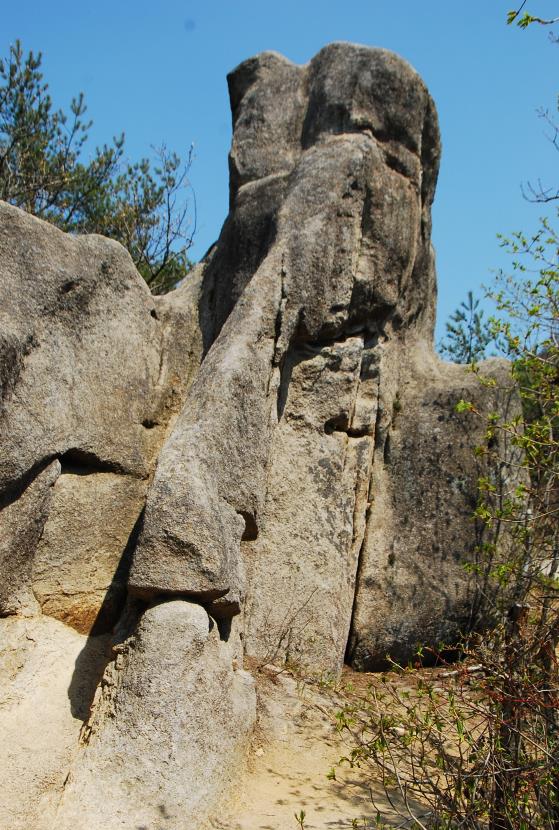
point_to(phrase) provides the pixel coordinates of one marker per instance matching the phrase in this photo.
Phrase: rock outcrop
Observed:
(267, 461)
(172, 720)
(90, 379)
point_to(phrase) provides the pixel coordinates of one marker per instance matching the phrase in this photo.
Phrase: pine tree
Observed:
(467, 336)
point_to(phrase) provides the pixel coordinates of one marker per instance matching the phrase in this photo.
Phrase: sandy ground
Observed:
(296, 744)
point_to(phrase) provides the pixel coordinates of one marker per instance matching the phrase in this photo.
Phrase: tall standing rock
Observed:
(336, 226)
(318, 309)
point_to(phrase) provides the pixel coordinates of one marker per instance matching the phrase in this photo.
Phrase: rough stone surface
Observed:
(79, 361)
(206, 479)
(84, 583)
(412, 587)
(23, 514)
(341, 220)
(93, 369)
(170, 724)
(301, 568)
(318, 310)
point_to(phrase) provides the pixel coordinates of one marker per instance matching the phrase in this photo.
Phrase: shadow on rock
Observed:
(97, 652)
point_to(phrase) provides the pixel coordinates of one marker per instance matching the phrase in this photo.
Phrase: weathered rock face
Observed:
(412, 588)
(342, 224)
(46, 672)
(318, 300)
(93, 368)
(169, 728)
(266, 461)
(84, 583)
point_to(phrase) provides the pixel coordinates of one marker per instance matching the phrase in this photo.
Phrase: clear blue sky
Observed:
(157, 71)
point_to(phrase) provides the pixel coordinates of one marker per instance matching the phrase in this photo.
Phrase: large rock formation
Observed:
(267, 461)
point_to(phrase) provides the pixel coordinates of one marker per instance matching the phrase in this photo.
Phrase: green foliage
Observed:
(526, 19)
(467, 335)
(42, 170)
(300, 819)
(471, 747)
(528, 324)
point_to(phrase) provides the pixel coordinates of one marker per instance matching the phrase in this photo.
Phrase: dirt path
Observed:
(295, 746)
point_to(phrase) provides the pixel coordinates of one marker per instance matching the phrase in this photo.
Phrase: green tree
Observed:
(467, 334)
(141, 204)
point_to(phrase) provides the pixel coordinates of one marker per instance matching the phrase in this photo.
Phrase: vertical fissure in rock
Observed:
(359, 566)
(349, 647)
(278, 357)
